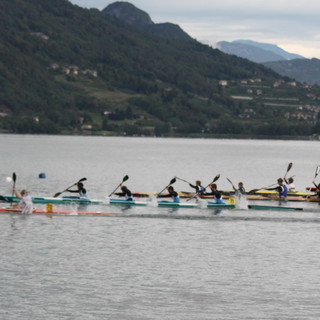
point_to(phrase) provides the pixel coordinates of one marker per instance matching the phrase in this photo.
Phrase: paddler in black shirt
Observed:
(215, 193)
(171, 194)
(200, 190)
(125, 193)
(81, 190)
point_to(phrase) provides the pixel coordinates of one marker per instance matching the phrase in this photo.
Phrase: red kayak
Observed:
(57, 212)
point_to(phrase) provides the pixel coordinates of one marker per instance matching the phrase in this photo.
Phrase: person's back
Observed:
(291, 186)
(81, 190)
(173, 194)
(126, 193)
(25, 203)
(199, 188)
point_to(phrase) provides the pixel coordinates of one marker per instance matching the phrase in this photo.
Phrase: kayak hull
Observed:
(57, 212)
(263, 207)
(44, 200)
(127, 202)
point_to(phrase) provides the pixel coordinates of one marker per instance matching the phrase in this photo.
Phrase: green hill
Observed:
(64, 69)
(303, 70)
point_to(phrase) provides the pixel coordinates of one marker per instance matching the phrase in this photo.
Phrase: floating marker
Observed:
(42, 175)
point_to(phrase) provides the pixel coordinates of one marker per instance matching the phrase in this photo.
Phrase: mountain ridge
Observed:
(65, 69)
(256, 51)
(129, 13)
(285, 63)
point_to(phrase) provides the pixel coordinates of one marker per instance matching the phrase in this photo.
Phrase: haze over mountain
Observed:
(285, 63)
(256, 51)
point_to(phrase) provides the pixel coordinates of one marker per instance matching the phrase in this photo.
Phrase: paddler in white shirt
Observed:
(25, 203)
(290, 185)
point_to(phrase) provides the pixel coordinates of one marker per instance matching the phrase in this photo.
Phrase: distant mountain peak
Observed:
(256, 51)
(128, 12)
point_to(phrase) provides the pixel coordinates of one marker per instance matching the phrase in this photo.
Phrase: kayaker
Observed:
(317, 189)
(171, 193)
(281, 188)
(215, 193)
(125, 193)
(241, 189)
(290, 185)
(200, 190)
(81, 190)
(25, 203)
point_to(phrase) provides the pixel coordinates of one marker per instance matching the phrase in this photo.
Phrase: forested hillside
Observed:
(64, 69)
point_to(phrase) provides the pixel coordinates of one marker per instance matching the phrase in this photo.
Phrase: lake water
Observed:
(157, 263)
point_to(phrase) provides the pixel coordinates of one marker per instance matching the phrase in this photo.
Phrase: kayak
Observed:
(195, 205)
(57, 212)
(127, 202)
(274, 192)
(262, 207)
(170, 204)
(177, 204)
(292, 198)
(58, 200)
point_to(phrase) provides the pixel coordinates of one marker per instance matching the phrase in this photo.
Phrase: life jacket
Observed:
(201, 189)
(128, 195)
(175, 197)
(284, 191)
(83, 194)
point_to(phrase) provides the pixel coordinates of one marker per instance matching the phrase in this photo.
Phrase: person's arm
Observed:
(17, 194)
(275, 188)
(164, 195)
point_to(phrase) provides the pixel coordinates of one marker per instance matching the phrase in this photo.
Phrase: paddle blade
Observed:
(83, 179)
(125, 178)
(230, 182)
(57, 194)
(14, 178)
(317, 172)
(289, 166)
(172, 181)
(216, 178)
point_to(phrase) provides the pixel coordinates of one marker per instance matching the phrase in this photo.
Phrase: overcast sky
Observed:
(292, 25)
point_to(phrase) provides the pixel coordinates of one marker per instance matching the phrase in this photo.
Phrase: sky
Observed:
(292, 25)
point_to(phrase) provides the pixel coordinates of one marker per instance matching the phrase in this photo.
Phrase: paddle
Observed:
(317, 172)
(253, 191)
(232, 184)
(213, 181)
(183, 180)
(58, 193)
(314, 179)
(125, 178)
(172, 181)
(288, 169)
(14, 178)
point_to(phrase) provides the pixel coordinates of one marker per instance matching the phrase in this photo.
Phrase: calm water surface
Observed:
(157, 263)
